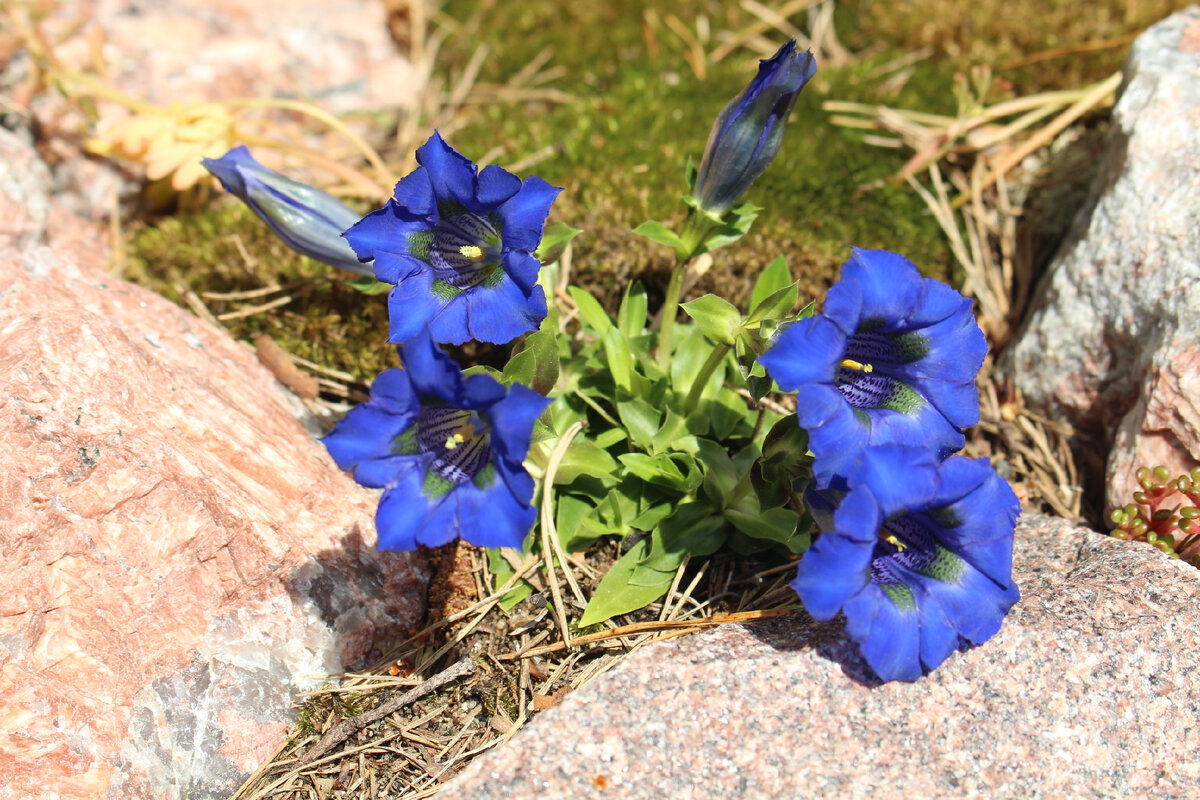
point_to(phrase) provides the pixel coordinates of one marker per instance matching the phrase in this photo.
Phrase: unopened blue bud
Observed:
(747, 134)
(307, 219)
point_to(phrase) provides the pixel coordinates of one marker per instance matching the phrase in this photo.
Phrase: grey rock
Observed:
(1090, 690)
(1111, 342)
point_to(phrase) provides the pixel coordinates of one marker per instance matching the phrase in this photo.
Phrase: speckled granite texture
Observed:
(1090, 690)
(1111, 340)
(179, 557)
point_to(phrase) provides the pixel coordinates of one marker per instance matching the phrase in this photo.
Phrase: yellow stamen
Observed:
(471, 252)
(850, 363)
(892, 540)
(467, 431)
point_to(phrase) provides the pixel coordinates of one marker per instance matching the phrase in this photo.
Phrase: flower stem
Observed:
(695, 229)
(669, 310)
(702, 377)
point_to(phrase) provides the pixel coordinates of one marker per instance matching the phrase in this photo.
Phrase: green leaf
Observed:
(502, 570)
(777, 304)
(627, 586)
(673, 430)
(648, 520)
(661, 469)
(543, 368)
(620, 363)
(775, 524)
(631, 316)
(695, 527)
(641, 419)
(720, 474)
(569, 514)
(519, 369)
(584, 458)
(555, 239)
(610, 437)
(590, 309)
(736, 226)
(368, 285)
(716, 316)
(775, 277)
(658, 232)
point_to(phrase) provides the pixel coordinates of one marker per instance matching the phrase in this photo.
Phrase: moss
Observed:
(1012, 36)
(619, 148)
(326, 322)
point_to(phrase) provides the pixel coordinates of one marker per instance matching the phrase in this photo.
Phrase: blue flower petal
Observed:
(395, 269)
(414, 194)
(806, 352)
(449, 325)
(523, 269)
(364, 433)
(939, 638)
(834, 569)
(513, 418)
(496, 185)
(431, 371)
(898, 478)
(483, 392)
(385, 471)
(502, 313)
(493, 518)
(443, 524)
(525, 215)
(376, 232)
(976, 511)
(402, 510)
(892, 646)
(889, 283)
(451, 173)
(411, 306)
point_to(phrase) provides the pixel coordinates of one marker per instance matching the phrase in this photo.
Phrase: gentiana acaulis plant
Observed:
(657, 436)
(1165, 513)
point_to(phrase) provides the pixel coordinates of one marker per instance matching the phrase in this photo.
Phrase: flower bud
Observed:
(747, 134)
(307, 219)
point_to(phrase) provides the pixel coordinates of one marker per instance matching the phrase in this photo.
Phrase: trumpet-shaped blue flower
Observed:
(458, 244)
(307, 219)
(749, 131)
(892, 358)
(446, 449)
(917, 555)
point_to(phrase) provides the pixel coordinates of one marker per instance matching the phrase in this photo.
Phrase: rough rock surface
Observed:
(336, 54)
(1091, 689)
(1112, 341)
(179, 556)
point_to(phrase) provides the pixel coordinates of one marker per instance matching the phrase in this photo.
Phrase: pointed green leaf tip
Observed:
(718, 318)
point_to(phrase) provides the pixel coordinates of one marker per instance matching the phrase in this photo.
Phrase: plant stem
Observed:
(669, 310)
(701, 380)
(695, 229)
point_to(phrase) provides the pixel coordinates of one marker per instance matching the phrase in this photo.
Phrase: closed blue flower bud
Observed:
(307, 219)
(747, 134)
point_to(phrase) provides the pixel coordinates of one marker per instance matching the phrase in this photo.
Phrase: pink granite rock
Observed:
(180, 556)
(1111, 342)
(337, 54)
(1090, 690)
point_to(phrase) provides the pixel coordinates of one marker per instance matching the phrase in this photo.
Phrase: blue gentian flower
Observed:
(892, 358)
(307, 219)
(917, 555)
(446, 449)
(749, 131)
(458, 244)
